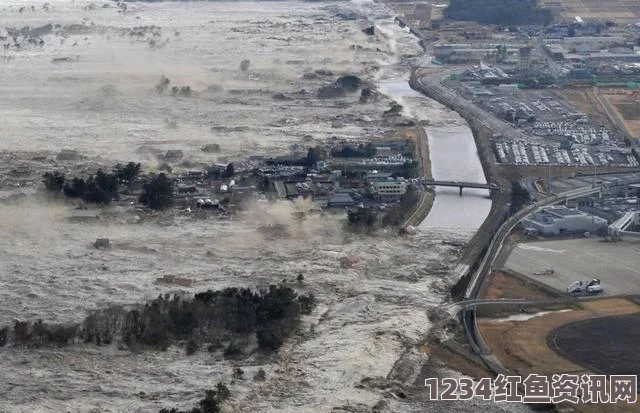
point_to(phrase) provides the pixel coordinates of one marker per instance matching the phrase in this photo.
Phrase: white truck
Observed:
(579, 288)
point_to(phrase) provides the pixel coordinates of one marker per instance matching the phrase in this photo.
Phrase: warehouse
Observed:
(558, 220)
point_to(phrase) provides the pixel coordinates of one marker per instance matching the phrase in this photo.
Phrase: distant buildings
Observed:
(460, 53)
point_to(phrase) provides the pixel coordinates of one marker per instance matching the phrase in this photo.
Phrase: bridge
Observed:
(461, 184)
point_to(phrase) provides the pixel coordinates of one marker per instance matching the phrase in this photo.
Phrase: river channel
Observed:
(453, 153)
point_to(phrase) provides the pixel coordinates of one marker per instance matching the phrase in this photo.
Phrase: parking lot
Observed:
(526, 153)
(615, 264)
(558, 133)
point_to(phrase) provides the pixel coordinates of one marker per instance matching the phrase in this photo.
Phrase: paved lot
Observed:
(617, 265)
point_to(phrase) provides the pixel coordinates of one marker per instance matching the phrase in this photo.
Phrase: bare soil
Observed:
(501, 285)
(628, 111)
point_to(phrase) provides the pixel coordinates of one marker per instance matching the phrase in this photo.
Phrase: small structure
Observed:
(102, 243)
(349, 261)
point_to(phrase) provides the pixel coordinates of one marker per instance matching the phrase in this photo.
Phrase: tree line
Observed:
(212, 317)
(105, 187)
(502, 12)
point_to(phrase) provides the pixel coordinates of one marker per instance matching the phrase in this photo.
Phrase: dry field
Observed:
(501, 285)
(522, 346)
(627, 108)
(617, 10)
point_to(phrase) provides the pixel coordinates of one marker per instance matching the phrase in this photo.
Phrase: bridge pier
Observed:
(460, 190)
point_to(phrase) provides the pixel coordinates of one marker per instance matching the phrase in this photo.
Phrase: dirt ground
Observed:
(522, 346)
(501, 285)
(628, 110)
(585, 100)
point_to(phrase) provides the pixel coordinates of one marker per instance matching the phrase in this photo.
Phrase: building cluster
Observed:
(593, 50)
(330, 182)
(465, 53)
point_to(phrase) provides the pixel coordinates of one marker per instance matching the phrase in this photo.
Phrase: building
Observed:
(460, 53)
(376, 176)
(562, 220)
(388, 190)
(340, 200)
(524, 61)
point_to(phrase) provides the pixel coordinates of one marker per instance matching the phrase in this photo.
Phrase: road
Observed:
(473, 288)
(433, 86)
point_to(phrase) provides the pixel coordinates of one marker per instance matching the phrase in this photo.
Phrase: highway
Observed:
(433, 86)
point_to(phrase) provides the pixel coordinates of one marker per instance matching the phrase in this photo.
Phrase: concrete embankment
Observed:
(426, 197)
(499, 207)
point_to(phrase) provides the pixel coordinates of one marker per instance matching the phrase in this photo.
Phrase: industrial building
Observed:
(559, 220)
(473, 53)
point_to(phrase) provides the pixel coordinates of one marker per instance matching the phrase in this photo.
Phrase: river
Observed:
(453, 153)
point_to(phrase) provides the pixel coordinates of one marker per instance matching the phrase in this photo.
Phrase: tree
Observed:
(211, 403)
(370, 150)
(504, 12)
(238, 373)
(409, 169)
(229, 171)
(76, 189)
(192, 347)
(158, 193)
(96, 194)
(519, 197)
(362, 218)
(269, 339)
(315, 154)
(260, 375)
(127, 173)
(54, 182)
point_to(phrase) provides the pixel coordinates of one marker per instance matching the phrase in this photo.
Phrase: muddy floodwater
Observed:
(91, 87)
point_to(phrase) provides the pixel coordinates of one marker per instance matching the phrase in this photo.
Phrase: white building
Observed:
(389, 189)
(561, 220)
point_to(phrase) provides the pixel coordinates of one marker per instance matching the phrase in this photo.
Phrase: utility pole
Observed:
(593, 218)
